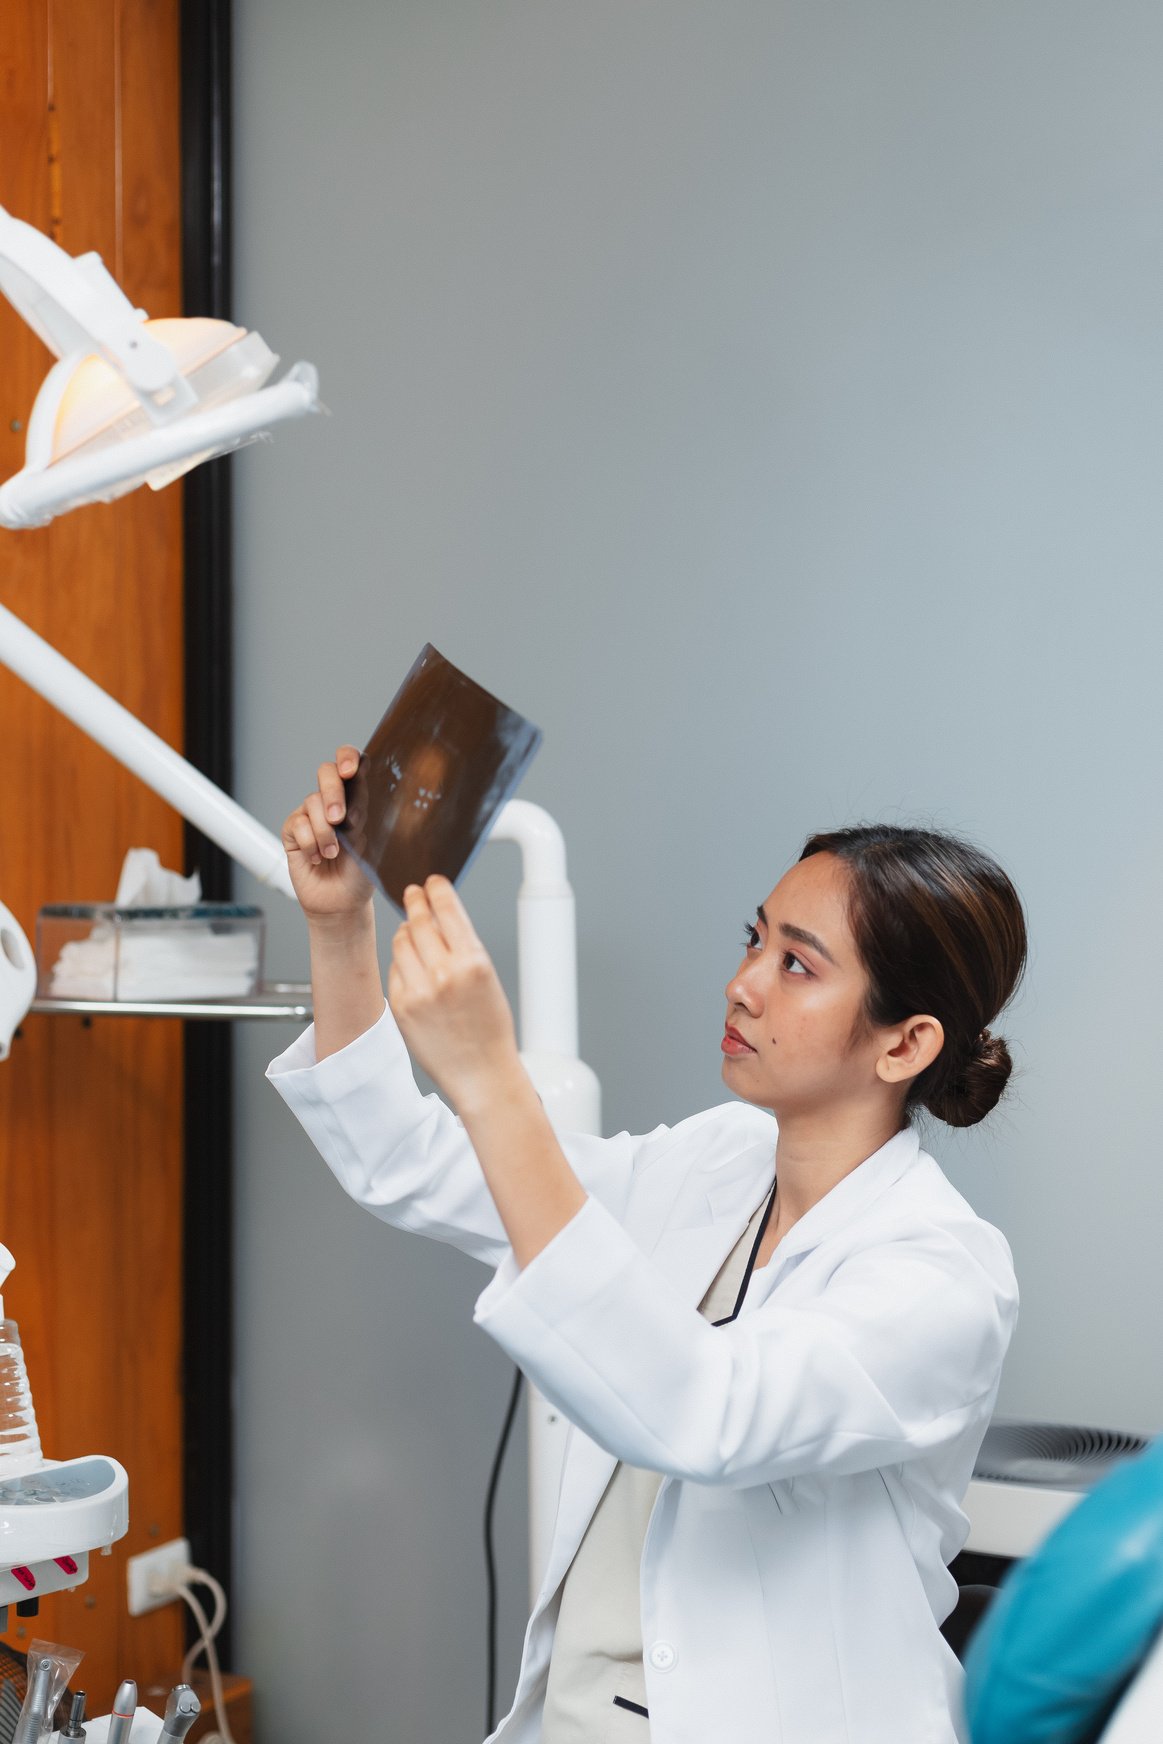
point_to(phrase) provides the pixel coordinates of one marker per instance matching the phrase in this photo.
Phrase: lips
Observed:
(733, 1043)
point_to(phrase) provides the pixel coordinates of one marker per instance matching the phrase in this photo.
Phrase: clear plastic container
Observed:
(212, 950)
(19, 1436)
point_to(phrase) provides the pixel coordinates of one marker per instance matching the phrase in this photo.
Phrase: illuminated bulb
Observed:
(97, 408)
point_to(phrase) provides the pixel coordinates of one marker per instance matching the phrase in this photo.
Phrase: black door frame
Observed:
(208, 1232)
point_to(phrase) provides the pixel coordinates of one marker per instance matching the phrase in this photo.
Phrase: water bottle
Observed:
(19, 1437)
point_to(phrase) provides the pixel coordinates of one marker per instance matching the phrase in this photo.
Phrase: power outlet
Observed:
(151, 1575)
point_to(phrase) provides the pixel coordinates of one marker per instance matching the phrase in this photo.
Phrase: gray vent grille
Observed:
(1055, 1455)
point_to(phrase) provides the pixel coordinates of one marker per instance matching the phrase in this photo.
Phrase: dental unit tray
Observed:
(51, 1518)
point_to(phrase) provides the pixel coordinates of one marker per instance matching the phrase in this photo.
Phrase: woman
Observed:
(779, 1341)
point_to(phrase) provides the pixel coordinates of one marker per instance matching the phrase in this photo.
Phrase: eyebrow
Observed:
(800, 934)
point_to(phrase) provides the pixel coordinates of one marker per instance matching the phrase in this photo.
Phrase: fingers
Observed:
(299, 834)
(308, 831)
(406, 973)
(325, 841)
(427, 940)
(451, 915)
(330, 778)
(436, 906)
(436, 937)
(311, 828)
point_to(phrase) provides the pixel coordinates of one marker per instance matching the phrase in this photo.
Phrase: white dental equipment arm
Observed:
(190, 792)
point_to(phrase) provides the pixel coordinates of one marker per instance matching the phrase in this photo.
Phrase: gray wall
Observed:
(765, 399)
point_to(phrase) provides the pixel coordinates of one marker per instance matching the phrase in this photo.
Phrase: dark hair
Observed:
(940, 930)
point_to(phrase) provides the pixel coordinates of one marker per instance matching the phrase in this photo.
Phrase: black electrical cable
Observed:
(751, 1258)
(490, 1558)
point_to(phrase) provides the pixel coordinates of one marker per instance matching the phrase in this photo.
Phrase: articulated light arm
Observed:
(133, 744)
(75, 305)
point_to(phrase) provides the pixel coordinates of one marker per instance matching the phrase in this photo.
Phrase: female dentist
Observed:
(779, 1341)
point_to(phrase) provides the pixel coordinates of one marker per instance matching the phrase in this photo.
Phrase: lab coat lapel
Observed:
(587, 1470)
(717, 1203)
(851, 1197)
(848, 1200)
(709, 1217)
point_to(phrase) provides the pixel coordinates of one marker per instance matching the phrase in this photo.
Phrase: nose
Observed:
(743, 989)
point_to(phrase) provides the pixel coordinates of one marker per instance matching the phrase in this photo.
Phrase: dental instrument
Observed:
(182, 1709)
(34, 1714)
(124, 1708)
(73, 1727)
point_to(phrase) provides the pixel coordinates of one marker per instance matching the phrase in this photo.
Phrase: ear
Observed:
(908, 1048)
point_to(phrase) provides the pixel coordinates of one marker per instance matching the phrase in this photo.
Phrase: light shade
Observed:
(131, 401)
(86, 405)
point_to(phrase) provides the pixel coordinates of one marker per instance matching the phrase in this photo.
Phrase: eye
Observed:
(751, 939)
(793, 965)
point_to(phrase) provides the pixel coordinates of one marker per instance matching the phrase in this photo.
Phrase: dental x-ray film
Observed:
(433, 776)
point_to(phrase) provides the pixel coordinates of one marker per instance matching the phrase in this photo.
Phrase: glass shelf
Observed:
(289, 1001)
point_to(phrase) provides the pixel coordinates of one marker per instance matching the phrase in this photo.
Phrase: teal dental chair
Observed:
(1071, 1649)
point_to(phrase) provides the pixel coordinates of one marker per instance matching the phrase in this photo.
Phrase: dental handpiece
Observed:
(34, 1714)
(182, 1710)
(124, 1708)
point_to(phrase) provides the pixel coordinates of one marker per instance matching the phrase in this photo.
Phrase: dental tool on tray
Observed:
(128, 1723)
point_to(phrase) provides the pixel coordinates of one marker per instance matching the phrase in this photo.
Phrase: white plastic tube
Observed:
(546, 930)
(190, 792)
(548, 1027)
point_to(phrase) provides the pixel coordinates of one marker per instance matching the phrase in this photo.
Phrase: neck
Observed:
(814, 1153)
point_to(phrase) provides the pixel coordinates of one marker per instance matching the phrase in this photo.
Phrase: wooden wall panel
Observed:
(91, 1115)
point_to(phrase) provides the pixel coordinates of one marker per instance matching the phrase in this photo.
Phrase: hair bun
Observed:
(967, 1093)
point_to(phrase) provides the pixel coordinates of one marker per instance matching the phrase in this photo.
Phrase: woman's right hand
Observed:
(328, 883)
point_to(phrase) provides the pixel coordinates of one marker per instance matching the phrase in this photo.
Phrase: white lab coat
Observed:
(815, 1451)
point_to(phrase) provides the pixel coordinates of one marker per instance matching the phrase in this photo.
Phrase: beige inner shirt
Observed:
(597, 1646)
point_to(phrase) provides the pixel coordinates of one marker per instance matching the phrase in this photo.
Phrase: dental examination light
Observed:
(130, 401)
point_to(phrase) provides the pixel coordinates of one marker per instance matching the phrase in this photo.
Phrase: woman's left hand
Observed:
(447, 998)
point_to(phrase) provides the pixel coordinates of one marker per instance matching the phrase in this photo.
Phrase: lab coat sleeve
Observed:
(405, 1156)
(891, 1360)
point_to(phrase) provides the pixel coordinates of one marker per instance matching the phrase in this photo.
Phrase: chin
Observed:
(759, 1094)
